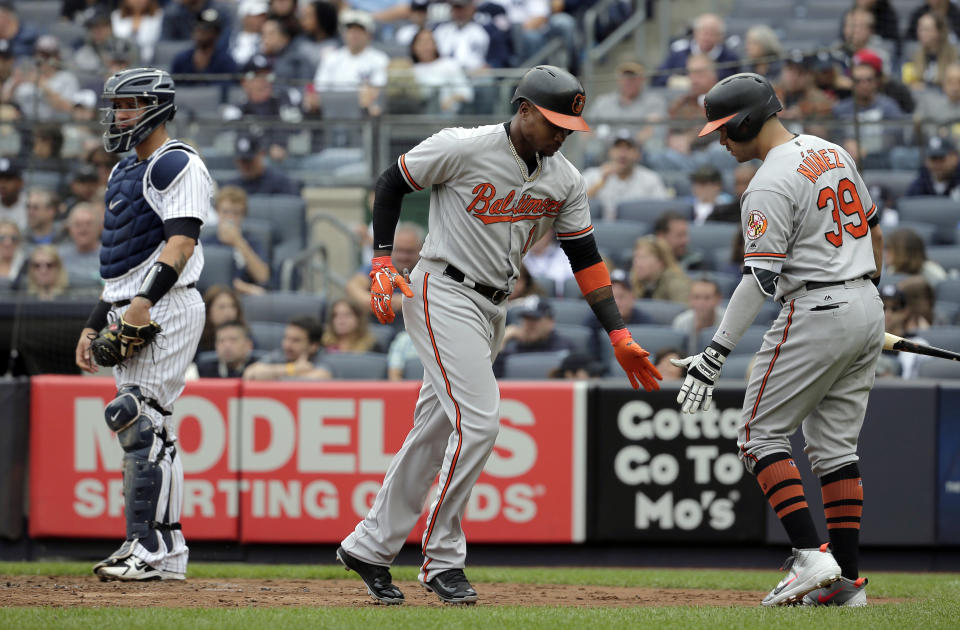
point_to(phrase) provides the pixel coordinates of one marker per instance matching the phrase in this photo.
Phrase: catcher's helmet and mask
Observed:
(557, 94)
(741, 104)
(154, 91)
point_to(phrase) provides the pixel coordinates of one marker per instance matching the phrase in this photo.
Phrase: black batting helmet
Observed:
(557, 94)
(154, 91)
(740, 103)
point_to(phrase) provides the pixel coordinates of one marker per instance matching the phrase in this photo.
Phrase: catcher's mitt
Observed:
(120, 341)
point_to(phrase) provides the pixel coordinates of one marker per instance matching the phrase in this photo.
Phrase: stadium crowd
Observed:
(880, 77)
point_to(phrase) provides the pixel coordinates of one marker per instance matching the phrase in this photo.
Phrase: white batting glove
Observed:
(703, 370)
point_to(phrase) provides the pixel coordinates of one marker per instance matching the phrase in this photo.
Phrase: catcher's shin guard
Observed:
(142, 474)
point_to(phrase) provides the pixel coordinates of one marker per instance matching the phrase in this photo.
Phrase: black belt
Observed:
(493, 294)
(812, 286)
(122, 303)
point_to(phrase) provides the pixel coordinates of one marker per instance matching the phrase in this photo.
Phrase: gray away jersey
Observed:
(483, 215)
(805, 213)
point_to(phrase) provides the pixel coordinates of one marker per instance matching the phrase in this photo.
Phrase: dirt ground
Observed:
(60, 591)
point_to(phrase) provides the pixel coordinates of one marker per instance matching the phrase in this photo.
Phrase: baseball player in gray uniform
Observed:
(495, 190)
(150, 260)
(811, 242)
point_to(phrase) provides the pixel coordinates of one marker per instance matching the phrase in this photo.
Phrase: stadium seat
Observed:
(748, 344)
(948, 290)
(926, 231)
(945, 313)
(163, 55)
(360, 366)
(262, 231)
(384, 335)
(826, 9)
(894, 181)
(49, 180)
(946, 337)
(413, 370)
(762, 11)
(280, 306)
(932, 367)
(711, 236)
(939, 211)
(822, 30)
(736, 366)
(661, 311)
(614, 238)
(39, 13)
(947, 255)
(531, 365)
(218, 267)
(287, 214)
(570, 310)
(267, 336)
(656, 337)
(648, 210)
(201, 101)
(578, 334)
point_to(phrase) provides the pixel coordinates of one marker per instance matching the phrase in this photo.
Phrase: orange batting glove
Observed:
(384, 278)
(633, 359)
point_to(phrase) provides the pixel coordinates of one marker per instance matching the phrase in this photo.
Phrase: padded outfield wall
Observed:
(575, 462)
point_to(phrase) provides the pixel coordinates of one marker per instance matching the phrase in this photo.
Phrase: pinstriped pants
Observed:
(159, 373)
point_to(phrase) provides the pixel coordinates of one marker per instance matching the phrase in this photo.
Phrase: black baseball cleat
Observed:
(377, 578)
(452, 587)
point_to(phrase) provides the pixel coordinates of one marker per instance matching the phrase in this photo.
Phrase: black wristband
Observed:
(98, 317)
(159, 280)
(721, 349)
(609, 315)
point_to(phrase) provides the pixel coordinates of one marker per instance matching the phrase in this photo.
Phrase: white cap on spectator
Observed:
(353, 17)
(252, 7)
(85, 98)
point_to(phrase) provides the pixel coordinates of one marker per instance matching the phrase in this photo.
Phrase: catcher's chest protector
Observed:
(132, 230)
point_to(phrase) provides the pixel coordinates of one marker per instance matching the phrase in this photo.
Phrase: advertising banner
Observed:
(302, 462)
(660, 475)
(948, 468)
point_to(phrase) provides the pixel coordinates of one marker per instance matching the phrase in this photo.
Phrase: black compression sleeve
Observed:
(608, 314)
(387, 200)
(582, 252)
(183, 226)
(98, 317)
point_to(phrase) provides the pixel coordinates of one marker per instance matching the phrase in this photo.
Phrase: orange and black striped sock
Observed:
(780, 481)
(843, 506)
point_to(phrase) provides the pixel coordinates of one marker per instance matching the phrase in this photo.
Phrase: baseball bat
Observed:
(893, 342)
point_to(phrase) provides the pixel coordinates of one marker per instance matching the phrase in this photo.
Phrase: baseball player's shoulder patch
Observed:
(756, 224)
(166, 168)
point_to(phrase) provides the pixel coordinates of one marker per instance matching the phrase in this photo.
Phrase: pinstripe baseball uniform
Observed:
(804, 217)
(485, 212)
(183, 190)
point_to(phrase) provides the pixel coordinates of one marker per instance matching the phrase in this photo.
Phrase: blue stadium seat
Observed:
(531, 365)
(655, 337)
(384, 335)
(578, 334)
(946, 337)
(939, 211)
(748, 344)
(947, 255)
(648, 210)
(570, 310)
(358, 366)
(926, 231)
(895, 181)
(930, 367)
(413, 370)
(736, 366)
(266, 336)
(615, 238)
(661, 311)
(281, 306)
(218, 267)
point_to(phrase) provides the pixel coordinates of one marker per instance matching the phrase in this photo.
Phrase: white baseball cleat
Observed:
(807, 570)
(132, 569)
(843, 592)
